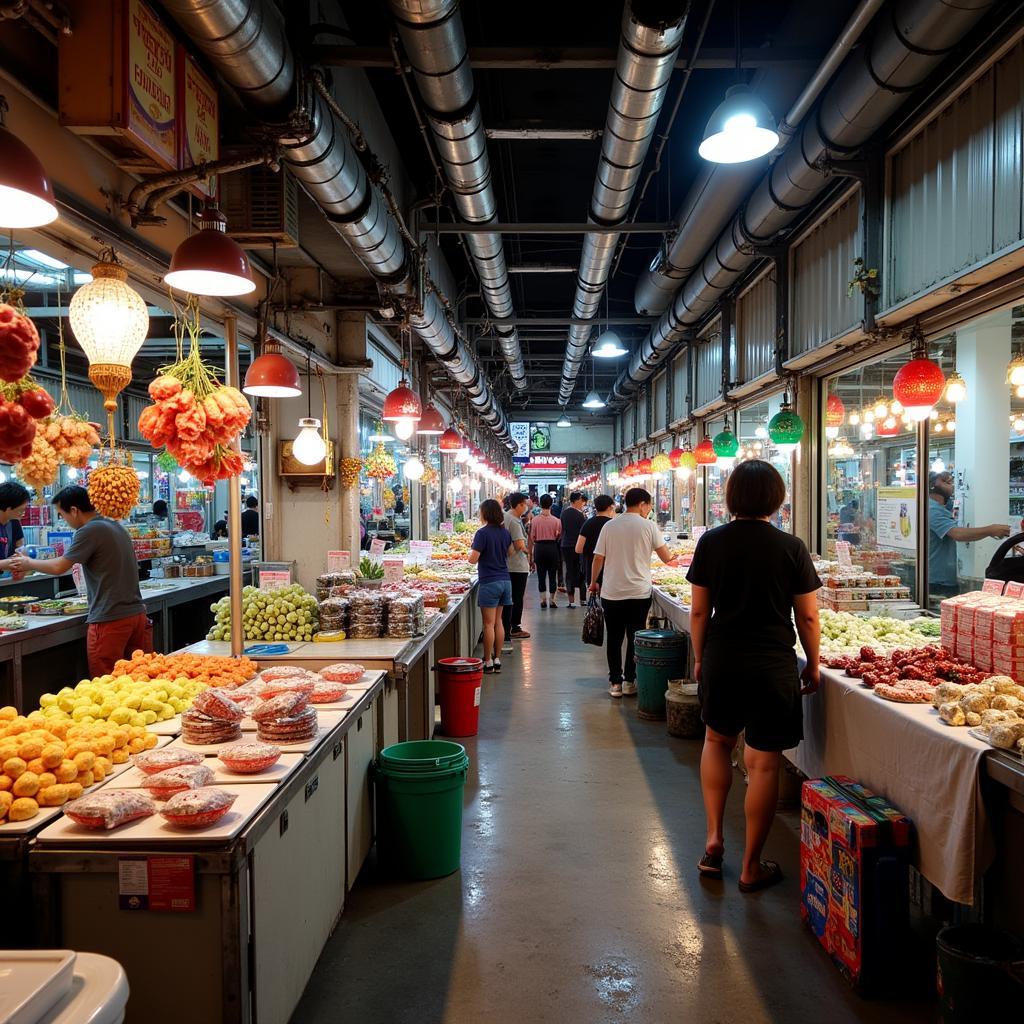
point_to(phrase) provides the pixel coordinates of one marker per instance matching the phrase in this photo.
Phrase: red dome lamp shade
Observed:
(704, 453)
(402, 404)
(271, 375)
(451, 441)
(918, 385)
(209, 262)
(431, 422)
(674, 456)
(835, 414)
(643, 467)
(26, 195)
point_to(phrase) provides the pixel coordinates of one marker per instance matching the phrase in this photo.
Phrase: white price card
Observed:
(79, 577)
(843, 553)
(394, 570)
(447, 526)
(273, 580)
(421, 550)
(377, 549)
(339, 561)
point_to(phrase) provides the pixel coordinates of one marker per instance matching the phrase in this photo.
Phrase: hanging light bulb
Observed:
(786, 428)
(741, 128)
(890, 423)
(868, 416)
(918, 384)
(209, 262)
(404, 428)
(938, 466)
(462, 456)
(934, 414)
(563, 421)
(939, 428)
(72, 474)
(593, 401)
(455, 484)
(1019, 392)
(896, 406)
(1015, 371)
(956, 388)
(881, 409)
(414, 468)
(854, 419)
(608, 346)
(309, 447)
(1018, 425)
(184, 476)
(26, 196)
(867, 430)
(951, 426)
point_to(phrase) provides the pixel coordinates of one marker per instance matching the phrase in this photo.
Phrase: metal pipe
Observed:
(539, 228)
(719, 189)
(234, 485)
(902, 52)
(433, 37)
(648, 45)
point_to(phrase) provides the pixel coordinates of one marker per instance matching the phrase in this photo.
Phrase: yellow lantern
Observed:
(110, 321)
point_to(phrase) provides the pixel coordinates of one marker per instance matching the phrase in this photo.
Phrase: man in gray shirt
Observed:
(518, 568)
(117, 618)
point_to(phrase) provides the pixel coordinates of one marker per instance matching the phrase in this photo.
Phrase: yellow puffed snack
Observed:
(5, 804)
(17, 727)
(23, 809)
(119, 756)
(86, 779)
(30, 748)
(14, 766)
(74, 790)
(99, 773)
(47, 779)
(35, 765)
(67, 771)
(136, 746)
(26, 784)
(8, 748)
(6, 782)
(53, 796)
(103, 744)
(52, 755)
(84, 760)
(8, 714)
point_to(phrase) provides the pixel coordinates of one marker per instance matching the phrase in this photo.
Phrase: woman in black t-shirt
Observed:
(749, 579)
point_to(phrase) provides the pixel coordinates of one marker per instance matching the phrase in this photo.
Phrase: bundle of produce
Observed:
(930, 665)
(348, 469)
(286, 614)
(844, 634)
(369, 570)
(195, 417)
(381, 463)
(207, 669)
(114, 487)
(121, 700)
(19, 343)
(22, 403)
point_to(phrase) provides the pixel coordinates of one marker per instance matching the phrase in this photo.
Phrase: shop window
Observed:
(715, 477)
(871, 472)
(755, 443)
(975, 453)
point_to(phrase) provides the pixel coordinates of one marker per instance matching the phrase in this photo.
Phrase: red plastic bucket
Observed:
(459, 683)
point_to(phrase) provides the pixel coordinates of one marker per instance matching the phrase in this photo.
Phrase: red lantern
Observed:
(402, 404)
(431, 422)
(704, 453)
(883, 431)
(674, 456)
(643, 467)
(918, 385)
(451, 441)
(835, 411)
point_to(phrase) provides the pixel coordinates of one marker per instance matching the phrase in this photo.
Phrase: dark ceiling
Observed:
(551, 181)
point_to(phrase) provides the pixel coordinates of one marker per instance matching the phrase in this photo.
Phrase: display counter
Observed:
(250, 902)
(50, 651)
(409, 664)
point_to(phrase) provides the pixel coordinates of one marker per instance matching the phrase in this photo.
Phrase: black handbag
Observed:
(1009, 570)
(593, 623)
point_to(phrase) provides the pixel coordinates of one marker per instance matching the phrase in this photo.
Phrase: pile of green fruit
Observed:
(370, 570)
(286, 614)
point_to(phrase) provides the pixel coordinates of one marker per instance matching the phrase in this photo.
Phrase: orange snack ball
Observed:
(66, 771)
(47, 779)
(5, 804)
(52, 755)
(22, 809)
(14, 766)
(26, 784)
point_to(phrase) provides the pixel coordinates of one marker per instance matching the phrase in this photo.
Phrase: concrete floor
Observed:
(578, 898)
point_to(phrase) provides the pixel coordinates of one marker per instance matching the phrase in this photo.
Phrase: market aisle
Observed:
(578, 900)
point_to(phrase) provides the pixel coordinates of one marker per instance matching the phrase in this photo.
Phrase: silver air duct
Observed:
(905, 48)
(246, 42)
(651, 33)
(433, 37)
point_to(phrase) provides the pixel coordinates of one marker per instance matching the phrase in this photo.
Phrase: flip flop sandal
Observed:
(710, 865)
(772, 876)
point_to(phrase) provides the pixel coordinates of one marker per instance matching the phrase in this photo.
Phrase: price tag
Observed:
(843, 553)
(271, 579)
(1014, 590)
(156, 883)
(339, 561)
(448, 527)
(394, 570)
(79, 577)
(421, 550)
(992, 587)
(377, 549)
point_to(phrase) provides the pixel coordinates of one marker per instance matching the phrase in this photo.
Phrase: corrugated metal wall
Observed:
(681, 370)
(386, 372)
(956, 185)
(822, 265)
(627, 427)
(709, 364)
(660, 409)
(755, 329)
(641, 415)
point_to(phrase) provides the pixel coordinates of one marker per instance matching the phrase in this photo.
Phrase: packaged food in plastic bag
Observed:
(249, 758)
(110, 808)
(159, 760)
(198, 808)
(217, 705)
(164, 785)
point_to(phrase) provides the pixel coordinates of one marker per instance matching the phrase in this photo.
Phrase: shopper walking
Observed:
(492, 545)
(518, 568)
(623, 553)
(573, 519)
(749, 581)
(545, 532)
(604, 509)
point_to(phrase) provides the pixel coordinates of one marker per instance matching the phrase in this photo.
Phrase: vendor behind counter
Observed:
(117, 619)
(14, 501)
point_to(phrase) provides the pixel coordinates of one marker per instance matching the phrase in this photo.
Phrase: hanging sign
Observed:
(540, 437)
(843, 553)
(394, 570)
(896, 519)
(339, 561)
(150, 85)
(199, 129)
(421, 550)
(377, 547)
(273, 579)
(520, 433)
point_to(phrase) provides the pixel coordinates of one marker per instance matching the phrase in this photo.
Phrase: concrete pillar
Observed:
(983, 436)
(351, 335)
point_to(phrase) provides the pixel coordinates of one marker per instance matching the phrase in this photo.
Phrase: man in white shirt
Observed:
(623, 553)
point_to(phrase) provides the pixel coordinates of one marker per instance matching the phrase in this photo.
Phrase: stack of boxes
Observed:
(986, 628)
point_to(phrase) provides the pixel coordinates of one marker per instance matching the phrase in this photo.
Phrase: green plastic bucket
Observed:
(419, 807)
(661, 655)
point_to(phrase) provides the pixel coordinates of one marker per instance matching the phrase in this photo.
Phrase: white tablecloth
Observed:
(929, 771)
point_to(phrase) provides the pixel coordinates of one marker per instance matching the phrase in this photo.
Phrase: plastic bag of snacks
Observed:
(164, 785)
(343, 672)
(198, 808)
(249, 758)
(153, 761)
(217, 705)
(110, 808)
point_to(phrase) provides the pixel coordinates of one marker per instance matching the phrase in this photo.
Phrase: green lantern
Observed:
(786, 429)
(726, 444)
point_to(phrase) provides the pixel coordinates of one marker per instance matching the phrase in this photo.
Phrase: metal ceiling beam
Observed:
(536, 228)
(534, 58)
(530, 133)
(563, 321)
(543, 268)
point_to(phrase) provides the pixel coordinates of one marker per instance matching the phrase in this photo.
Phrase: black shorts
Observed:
(758, 696)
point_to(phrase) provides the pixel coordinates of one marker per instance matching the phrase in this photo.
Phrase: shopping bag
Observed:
(593, 623)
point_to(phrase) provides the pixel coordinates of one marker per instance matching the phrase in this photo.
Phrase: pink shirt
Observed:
(545, 528)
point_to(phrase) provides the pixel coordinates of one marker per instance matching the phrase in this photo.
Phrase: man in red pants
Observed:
(117, 618)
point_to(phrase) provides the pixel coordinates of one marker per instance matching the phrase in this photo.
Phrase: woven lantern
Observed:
(110, 321)
(661, 463)
(674, 457)
(704, 454)
(919, 384)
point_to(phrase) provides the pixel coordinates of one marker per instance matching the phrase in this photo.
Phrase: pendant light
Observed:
(956, 388)
(402, 405)
(608, 346)
(110, 320)
(26, 195)
(786, 428)
(835, 414)
(726, 446)
(272, 375)
(563, 421)
(414, 468)
(431, 423)
(742, 127)
(704, 453)
(450, 442)
(919, 384)
(209, 262)
(309, 447)
(593, 399)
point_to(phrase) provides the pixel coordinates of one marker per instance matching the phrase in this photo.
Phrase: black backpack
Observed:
(1009, 570)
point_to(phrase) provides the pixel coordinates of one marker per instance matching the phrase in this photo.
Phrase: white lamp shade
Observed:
(309, 447)
(741, 128)
(609, 346)
(593, 401)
